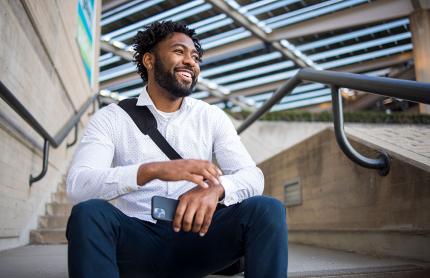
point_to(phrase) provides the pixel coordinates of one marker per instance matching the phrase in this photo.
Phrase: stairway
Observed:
(47, 245)
(52, 226)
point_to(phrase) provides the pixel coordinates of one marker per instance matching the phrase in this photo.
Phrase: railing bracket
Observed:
(381, 163)
(75, 139)
(387, 163)
(45, 163)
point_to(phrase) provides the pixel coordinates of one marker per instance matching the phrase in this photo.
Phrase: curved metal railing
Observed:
(403, 89)
(49, 140)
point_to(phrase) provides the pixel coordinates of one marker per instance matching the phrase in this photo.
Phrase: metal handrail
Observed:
(403, 89)
(54, 141)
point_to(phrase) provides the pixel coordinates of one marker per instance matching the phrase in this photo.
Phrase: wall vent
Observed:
(293, 193)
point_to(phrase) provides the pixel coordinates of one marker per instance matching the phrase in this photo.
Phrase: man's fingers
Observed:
(211, 177)
(213, 170)
(217, 170)
(179, 214)
(206, 223)
(198, 220)
(197, 179)
(187, 220)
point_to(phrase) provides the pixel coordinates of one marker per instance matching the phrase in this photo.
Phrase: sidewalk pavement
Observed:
(50, 261)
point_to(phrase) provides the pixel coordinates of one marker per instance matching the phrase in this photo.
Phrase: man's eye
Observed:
(179, 51)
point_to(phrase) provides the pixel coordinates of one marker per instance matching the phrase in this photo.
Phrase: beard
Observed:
(169, 82)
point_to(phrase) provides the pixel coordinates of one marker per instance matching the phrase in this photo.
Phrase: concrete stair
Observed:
(47, 252)
(52, 226)
(50, 261)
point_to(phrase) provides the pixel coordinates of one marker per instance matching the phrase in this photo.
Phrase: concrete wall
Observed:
(345, 206)
(41, 65)
(264, 139)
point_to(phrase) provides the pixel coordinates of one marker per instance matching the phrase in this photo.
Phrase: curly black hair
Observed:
(146, 40)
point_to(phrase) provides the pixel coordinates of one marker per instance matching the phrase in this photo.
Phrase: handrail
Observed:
(54, 141)
(403, 89)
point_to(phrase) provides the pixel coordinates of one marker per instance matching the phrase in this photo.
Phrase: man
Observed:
(220, 216)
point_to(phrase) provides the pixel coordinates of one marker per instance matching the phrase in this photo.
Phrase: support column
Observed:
(420, 28)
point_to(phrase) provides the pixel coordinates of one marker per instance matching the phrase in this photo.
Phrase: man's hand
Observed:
(196, 171)
(196, 208)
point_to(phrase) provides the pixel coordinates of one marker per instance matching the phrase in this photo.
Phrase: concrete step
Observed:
(62, 187)
(48, 236)
(58, 209)
(50, 261)
(52, 222)
(60, 197)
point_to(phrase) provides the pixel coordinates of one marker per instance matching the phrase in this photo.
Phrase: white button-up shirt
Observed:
(112, 148)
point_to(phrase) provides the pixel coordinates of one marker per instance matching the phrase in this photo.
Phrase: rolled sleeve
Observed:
(242, 179)
(128, 181)
(229, 191)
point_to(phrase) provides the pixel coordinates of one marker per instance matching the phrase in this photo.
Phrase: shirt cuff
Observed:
(229, 191)
(128, 180)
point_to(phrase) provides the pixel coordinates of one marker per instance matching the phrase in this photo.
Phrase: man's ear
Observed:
(148, 60)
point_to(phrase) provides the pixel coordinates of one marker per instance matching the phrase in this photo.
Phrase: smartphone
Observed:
(163, 208)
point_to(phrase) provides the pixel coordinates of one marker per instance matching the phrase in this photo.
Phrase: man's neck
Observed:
(162, 99)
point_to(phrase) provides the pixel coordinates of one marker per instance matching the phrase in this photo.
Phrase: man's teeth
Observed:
(185, 74)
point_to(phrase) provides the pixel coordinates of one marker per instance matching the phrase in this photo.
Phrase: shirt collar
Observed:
(145, 100)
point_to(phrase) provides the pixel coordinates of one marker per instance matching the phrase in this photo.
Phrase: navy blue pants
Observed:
(104, 242)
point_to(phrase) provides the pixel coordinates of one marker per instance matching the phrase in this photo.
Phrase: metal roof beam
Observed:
(377, 63)
(118, 80)
(259, 33)
(232, 48)
(360, 15)
(110, 47)
(354, 68)
(113, 4)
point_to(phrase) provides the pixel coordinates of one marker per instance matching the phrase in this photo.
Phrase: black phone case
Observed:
(163, 208)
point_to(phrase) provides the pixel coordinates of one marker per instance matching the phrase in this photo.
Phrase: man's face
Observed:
(176, 66)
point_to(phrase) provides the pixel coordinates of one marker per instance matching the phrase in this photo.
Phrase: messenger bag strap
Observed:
(145, 121)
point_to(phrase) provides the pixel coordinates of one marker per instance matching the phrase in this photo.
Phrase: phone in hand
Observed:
(163, 208)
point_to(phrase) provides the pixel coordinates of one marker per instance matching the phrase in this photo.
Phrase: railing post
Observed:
(45, 164)
(75, 139)
(382, 163)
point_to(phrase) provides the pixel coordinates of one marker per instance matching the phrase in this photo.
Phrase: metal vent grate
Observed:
(293, 193)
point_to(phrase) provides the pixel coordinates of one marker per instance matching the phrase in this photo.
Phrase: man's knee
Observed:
(89, 209)
(266, 209)
(89, 206)
(85, 214)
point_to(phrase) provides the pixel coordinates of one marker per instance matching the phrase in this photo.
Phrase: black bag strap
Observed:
(145, 121)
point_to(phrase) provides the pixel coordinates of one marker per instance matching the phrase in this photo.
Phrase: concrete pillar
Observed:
(420, 28)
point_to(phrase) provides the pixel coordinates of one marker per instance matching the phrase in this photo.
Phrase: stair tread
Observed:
(50, 229)
(303, 262)
(53, 216)
(48, 236)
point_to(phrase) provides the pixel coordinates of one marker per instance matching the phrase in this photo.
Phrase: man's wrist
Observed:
(220, 192)
(146, 173)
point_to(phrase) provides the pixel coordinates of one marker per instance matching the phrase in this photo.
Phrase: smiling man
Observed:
(221, 215)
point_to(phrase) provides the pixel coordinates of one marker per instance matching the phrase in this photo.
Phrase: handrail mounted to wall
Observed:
(55, 141)
(403, 89)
